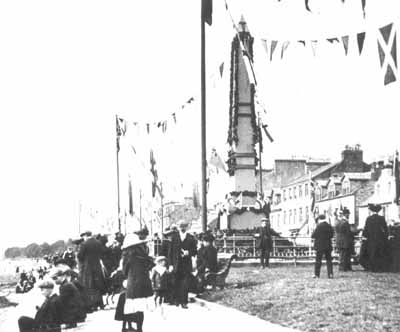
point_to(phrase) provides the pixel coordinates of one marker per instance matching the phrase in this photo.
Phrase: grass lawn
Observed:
(287, 295)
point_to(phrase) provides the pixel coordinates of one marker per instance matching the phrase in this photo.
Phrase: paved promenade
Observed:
(200, 316)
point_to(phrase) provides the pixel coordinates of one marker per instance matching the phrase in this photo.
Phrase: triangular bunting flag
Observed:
(393, 52)
(331, 40)
(273, 46)
(265, 44)
(385, 31)
(285, 45)
(314, 46)
(302, 42)
(389, 76)
(360, 41)
(148, 127)
(174, 117)
(345, 40)
(221, 69)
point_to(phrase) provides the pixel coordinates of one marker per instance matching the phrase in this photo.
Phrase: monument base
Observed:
(245, 220)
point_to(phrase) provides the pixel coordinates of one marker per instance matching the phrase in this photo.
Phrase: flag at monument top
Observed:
(207, 11)
(387, 50)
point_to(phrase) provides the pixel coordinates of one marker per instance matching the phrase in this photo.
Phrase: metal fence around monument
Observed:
(293, 248)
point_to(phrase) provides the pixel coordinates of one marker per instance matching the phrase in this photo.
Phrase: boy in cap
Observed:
(264, 241)
(344, 240)
(206, 258)
(322, 236)
(47, 317)
(159, 280)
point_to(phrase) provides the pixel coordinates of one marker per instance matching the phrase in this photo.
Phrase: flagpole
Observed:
(259, 152)
(203, 121)
(119, 207)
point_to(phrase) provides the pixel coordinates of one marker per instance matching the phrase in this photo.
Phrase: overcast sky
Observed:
(66, 69)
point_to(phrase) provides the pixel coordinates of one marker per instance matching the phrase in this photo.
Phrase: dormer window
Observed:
(331, 190)
(318, 194)
(346, 187)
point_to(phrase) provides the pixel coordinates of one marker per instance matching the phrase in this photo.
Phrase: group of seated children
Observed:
(25, 283)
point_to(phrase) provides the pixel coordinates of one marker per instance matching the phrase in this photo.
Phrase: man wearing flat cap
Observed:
(47, 317)
(344, 240)
(376, 234)
(322, 236)
(264, 241)
(183, 248)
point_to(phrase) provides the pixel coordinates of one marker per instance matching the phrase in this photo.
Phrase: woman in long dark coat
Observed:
(136, 265)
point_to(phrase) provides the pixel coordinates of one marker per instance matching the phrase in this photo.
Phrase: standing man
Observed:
(322, 236)
(69, 258)
(183, 247)
(376, 234)
(91, 274)
(264, 241)
(344, 240)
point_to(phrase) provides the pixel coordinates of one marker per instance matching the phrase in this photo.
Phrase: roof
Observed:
(313, 175)
(358, 176)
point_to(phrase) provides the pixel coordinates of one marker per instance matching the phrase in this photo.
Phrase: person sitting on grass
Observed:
(70, 301)
(322, 236)
(47, 317)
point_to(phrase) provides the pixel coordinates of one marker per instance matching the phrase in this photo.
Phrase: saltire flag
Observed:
(345, 40)
(360, 41)
(312, 193)
(387, 49)
(396, 173)
(207, 9)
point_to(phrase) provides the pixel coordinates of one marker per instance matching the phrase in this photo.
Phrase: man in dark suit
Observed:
(264, 241)
(91, 274)
(322, 236)
(183, 247)
(376, 234)
(47, 317)
(207, 259)
(344, 240)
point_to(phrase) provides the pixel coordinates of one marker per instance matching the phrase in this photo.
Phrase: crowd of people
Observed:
(77, 280)
(380, 247)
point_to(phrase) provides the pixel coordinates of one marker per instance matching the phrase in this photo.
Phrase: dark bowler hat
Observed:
(374, 207)
(321, 217)
(46, 284)
(208, 237)
(264, 219)
(87, 233)
(346, 211)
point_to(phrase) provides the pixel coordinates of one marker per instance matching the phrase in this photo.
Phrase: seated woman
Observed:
(206, 259)
(70, 301)
(47, 317)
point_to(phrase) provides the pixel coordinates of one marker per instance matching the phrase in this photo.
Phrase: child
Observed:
(159, 280)
(119, 311)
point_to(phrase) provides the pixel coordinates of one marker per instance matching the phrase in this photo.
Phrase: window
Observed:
(306, 189)
(346, 187)
(300, 191)
(307, 208)
(318, 194)
(284, 217)
(290, 217)
(300, 215)
(277, 220)
(294, 192)
(294, 216)
(290, 193)
(331, 190)
(378, 189)
(284, 194)
(389, 187)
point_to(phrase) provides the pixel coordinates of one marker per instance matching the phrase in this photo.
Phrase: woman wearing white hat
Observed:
(136, 264)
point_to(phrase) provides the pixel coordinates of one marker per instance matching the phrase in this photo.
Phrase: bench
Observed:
(217, 279)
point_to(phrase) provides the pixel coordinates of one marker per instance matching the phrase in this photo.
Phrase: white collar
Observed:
(182, 236)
